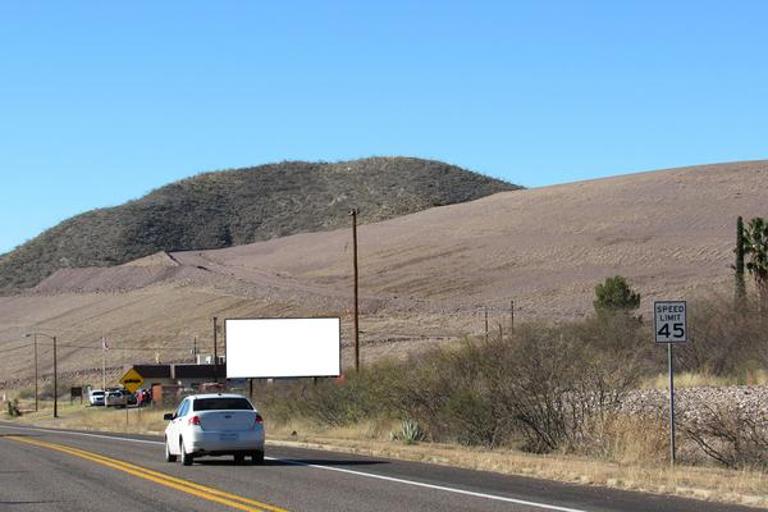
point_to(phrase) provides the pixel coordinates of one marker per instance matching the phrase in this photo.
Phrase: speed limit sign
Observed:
(670, 322)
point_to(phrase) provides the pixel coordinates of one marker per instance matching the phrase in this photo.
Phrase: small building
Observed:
(192, 375)
(153, 374)
(183, 375)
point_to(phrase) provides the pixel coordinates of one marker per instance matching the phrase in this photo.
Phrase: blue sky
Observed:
(101, 102)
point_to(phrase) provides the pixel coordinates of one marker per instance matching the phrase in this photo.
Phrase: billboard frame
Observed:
(226, 347)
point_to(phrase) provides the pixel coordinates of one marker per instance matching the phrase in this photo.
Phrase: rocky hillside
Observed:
(425, 278)
(235, 207)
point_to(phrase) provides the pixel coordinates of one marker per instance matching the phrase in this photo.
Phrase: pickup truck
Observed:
(115, 399)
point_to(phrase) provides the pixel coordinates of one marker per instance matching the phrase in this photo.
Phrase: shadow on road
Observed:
(27, 502)
(293, 462)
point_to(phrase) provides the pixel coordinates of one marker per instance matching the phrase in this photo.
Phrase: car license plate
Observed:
(228, 437)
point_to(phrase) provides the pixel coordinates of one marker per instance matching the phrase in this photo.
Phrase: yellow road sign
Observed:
(132, 380)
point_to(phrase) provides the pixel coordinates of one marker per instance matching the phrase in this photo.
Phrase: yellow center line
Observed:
(201, 491)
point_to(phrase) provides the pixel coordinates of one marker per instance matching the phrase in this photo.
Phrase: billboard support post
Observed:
(215, 353)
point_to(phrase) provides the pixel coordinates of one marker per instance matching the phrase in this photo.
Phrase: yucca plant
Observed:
(410, 432)
(756, 250)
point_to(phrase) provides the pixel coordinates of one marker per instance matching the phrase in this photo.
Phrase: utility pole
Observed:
(486, 324)
(215, 352)
(34, 338)
(55, 371)
(353, 213)
(104, 363)
(55, 382)
(511, 316)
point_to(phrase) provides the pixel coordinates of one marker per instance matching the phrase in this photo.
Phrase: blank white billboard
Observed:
(283, 347)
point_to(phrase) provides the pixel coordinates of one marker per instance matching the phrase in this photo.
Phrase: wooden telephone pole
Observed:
(353, 213)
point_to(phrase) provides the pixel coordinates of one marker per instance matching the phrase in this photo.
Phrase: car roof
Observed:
(216, 395)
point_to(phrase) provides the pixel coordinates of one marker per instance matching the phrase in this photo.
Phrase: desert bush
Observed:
(26, 393)
(729, 434)
(559, 386)
(727, 341)
(335, 404)
(13, 408)
(543, 388)
(546, 386)
(331, 402)
(455, 394)
(46, 390)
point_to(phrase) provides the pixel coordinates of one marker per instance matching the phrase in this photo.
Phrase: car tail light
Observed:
(258, 420)
(194, 420)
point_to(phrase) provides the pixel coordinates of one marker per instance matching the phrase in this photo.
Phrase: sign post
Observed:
(670, 326)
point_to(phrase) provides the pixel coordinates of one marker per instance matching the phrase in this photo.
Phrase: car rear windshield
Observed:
(97, 393)
(211, 404)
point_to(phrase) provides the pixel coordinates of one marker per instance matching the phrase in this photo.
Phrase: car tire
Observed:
(169, 457)
(186, 458)
(257, 458)
(239, 459)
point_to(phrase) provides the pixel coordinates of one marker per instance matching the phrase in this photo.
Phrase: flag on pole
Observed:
(104, 344)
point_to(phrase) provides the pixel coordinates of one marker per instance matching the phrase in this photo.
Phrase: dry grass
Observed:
(630, 441)
(80, 417)
(633, 443)
(757, 377)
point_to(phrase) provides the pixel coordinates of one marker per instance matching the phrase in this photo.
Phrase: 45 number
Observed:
(678, 330)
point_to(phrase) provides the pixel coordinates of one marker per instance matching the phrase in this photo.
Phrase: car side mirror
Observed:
(168, 416)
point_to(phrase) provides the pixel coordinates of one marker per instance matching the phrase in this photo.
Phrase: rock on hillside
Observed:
(234, 207)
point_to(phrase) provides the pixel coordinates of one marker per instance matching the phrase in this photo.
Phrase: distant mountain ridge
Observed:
(234, 207)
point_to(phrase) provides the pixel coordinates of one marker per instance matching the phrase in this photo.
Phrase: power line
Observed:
(5, 351)
(89, 347)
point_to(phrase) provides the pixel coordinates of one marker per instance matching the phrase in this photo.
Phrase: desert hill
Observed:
(425, 277)
(234, 207)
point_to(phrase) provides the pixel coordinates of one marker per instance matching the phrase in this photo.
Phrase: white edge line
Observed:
(435, 487)
(331, 468)
(84, 434)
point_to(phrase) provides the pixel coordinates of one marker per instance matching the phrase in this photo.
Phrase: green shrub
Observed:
(13, 408)
(615, 295)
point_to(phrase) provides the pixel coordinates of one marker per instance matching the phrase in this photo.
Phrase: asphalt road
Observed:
(46, 470)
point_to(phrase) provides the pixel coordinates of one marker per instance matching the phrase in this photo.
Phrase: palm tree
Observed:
(756, 249)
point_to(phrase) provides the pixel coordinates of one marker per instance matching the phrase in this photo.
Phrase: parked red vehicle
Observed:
(143, 397)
